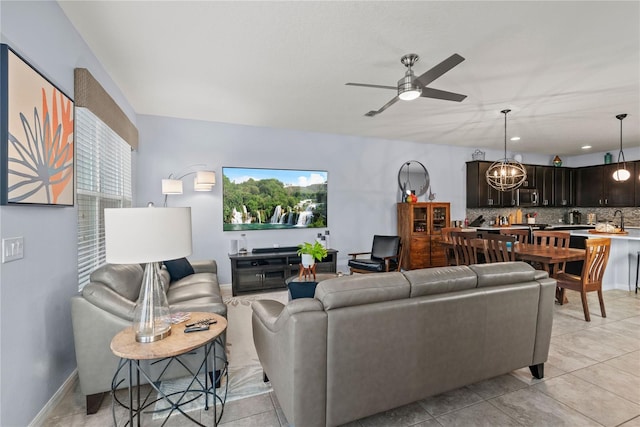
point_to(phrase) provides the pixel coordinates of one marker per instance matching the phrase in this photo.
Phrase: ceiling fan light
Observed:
(621, 175)
(410, 95)
(407, 91)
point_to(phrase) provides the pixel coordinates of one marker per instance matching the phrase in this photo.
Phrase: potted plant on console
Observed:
(310, 252)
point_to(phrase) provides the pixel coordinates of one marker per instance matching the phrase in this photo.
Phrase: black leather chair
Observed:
(385, 255)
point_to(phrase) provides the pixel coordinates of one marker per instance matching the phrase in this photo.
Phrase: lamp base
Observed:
(151, 338)
(152, 318)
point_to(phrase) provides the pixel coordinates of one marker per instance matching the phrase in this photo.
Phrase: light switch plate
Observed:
(12, 249)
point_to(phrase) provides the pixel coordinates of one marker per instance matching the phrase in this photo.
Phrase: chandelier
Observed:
(621, 174)
(506, 174)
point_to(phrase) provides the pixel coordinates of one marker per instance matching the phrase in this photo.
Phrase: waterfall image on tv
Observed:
(272, 199)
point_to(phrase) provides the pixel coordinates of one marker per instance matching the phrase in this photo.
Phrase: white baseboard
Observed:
(66, 387)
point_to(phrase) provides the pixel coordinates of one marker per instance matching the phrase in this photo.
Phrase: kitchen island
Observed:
(621, 268)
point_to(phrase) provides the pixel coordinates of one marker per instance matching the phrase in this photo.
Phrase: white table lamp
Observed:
(148, 235)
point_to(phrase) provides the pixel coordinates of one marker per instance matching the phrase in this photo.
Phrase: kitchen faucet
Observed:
(621, 218)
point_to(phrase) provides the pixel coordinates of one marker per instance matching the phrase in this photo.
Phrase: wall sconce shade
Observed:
(148, 235)
(171, 186)
(206, 178)
(201, 187)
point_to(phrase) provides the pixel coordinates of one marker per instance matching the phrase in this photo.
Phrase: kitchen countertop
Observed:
(634, 234)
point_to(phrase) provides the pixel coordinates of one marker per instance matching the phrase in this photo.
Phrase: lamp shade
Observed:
(171, 186)
(197, 186)
(142, 235)
(206, 178)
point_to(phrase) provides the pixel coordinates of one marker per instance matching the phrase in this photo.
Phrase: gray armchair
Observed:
(106, 306)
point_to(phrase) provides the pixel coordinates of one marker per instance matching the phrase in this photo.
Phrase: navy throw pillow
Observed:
(179, 268)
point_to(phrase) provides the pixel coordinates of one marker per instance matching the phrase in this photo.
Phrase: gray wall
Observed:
(363, 186)
(36, 349)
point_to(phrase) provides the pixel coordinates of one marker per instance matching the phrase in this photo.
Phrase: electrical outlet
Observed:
(12, 249)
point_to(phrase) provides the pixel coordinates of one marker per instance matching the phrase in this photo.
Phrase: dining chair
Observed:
(521, 234)
(596, 257)
(558, 239)
(446, 237)
(498, 248)
(464, 250)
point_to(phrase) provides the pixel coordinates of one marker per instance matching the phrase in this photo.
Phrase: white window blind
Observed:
(103, 164)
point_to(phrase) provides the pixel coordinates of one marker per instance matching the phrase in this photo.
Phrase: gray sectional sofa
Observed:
(106, 306)
(369, 343)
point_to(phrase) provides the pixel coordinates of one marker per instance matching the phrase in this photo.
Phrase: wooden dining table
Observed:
(547, 257)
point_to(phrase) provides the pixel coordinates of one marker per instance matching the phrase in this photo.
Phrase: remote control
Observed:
(197, 328)
(209, 321)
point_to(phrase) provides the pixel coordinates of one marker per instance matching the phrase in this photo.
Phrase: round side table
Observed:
(169, 350)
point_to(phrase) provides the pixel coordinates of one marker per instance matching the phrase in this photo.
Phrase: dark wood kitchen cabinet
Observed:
(563, 187)
(479, 193)
(618, 194)
(595, 186)
(482, 195)
(544, 185)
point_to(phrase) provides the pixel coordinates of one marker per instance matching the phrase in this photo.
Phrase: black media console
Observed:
(268, 268)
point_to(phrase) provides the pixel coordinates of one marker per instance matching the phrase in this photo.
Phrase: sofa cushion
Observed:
(195, 286)
(179, 268)
(362, 289)
(439, 280)
(503, 273)
(124, 279)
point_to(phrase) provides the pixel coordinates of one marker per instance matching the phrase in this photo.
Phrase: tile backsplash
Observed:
(557, 215)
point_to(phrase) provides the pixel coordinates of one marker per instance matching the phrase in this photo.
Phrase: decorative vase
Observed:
(307, 260)
(557, 161)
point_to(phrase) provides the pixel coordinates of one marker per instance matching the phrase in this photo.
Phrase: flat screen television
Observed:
(273, 199)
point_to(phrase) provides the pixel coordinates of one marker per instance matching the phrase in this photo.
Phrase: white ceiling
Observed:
(565, 69)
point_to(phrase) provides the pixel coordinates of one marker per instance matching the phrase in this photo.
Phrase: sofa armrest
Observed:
(291, 343)
(273, 314)
(108, 300)
(205, 266)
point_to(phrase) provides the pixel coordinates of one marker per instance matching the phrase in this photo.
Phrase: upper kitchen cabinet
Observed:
(563, 187)
(479, 193)
(544, 185)
(595, 186)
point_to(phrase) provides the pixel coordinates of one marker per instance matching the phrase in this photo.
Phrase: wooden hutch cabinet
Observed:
(420, 228)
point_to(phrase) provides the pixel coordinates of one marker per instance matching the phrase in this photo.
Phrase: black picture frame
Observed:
(37, 142)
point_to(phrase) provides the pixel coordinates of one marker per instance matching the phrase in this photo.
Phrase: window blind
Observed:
(103, 165)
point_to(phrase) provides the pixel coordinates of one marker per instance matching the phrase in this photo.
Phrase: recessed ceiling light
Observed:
(515, 138)
(585, 147)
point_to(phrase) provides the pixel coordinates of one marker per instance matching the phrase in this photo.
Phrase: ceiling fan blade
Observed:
(428, 92)
(376, 86)
(384, 107)
(439, 69)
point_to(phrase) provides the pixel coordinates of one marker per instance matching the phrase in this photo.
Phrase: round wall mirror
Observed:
(413, 177)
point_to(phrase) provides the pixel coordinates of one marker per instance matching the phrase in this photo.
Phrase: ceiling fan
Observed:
(411, 87)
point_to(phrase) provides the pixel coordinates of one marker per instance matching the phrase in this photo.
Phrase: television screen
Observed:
(271, 199)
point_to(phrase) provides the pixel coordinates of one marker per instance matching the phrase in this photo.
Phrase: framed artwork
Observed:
(37, 140)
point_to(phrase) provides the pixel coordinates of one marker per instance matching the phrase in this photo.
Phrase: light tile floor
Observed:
(592, 378)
